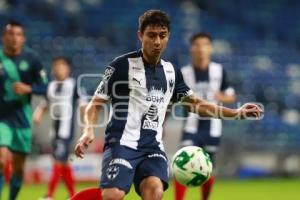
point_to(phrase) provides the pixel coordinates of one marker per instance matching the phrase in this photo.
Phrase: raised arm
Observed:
(205, 109)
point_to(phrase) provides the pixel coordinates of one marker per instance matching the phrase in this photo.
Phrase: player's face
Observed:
(13, 38)
(60, 70)
(154, 40)
(201, 48)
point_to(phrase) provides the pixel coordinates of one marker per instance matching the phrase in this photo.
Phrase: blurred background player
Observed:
(21, 74)
(61, 99)
(208, 80)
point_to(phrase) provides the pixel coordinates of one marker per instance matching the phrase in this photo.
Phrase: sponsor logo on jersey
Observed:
(155, 96)
(151, 118)
(136, 80)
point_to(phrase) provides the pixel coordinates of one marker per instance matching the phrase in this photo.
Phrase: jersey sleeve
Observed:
(181, 89)
(111, 74)
(225, 85)
(40, 77)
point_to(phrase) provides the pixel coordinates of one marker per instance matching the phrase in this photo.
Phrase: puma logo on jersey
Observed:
(138, 81)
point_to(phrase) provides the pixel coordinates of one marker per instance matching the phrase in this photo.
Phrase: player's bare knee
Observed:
(153, 193)
(152, 188)
(112, 194)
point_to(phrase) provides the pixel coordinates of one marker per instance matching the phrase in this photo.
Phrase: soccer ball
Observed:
(191, 166)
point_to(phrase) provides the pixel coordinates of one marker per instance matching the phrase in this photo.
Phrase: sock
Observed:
(179, 190)
(15, 186)
(1, 183)
(68, 178)
(88, 194)
(206, 188)
(7, 170)
(56, 173)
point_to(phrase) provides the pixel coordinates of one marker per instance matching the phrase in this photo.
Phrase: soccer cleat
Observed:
(45, 198)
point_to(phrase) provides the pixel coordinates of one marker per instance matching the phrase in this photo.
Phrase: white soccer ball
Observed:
(191, 166)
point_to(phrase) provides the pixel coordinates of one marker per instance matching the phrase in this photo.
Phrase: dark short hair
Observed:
(154, 18)
(12, 23)
(200, 35)
(63, 58)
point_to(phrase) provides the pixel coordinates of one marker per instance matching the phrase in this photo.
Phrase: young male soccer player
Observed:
(140, 85)
(61, 99)
(208, 80)
(21, 74)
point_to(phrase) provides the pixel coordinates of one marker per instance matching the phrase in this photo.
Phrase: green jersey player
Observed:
(21, 75)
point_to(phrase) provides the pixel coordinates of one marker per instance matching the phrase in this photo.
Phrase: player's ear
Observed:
(140, 35)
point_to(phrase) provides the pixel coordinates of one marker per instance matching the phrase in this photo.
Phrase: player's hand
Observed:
(83, 143)
(250, 111)
(22, 88)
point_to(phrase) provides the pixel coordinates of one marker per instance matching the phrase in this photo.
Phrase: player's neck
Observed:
(12, 52)
(151, 60)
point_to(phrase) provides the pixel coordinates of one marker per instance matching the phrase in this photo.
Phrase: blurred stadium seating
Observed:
(258, 42)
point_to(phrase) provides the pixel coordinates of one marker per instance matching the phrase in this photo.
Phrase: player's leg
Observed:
(151, 188)
(68, 178)
(88, 194)
(21, 146)
(54, 179)
(3, 152)
(188, 139)
(208, 185)
(152, 176)
(16, 181)
(6, 135)
(62, 155)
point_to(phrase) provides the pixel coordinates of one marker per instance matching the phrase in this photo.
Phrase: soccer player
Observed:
(140, 85)
(61, 99)
(21, 75)
(208, 80)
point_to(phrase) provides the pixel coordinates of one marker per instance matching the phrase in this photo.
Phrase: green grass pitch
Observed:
(265, 189)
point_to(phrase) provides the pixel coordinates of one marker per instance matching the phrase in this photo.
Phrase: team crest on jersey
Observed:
(24, 65)
(171, 84)
(108, 73)
(112, 172)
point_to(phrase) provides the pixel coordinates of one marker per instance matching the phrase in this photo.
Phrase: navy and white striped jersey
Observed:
(140, 94)
(61, 99)
(206, 84)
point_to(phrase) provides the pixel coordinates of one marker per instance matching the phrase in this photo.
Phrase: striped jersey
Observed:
(61, 100)
(205, 84)
(140, 94)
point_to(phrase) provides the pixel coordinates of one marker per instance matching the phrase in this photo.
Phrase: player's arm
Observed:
(40, 111)
(192, 103)
(90, 118)
(40, 80)
(205, 109)
(101, 96)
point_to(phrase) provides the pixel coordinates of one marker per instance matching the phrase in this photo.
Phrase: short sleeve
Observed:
(111, 73)
(225, 85)
(181, 89)
(40, 76)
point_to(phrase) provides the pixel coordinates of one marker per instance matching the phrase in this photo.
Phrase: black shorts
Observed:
(122, 166)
